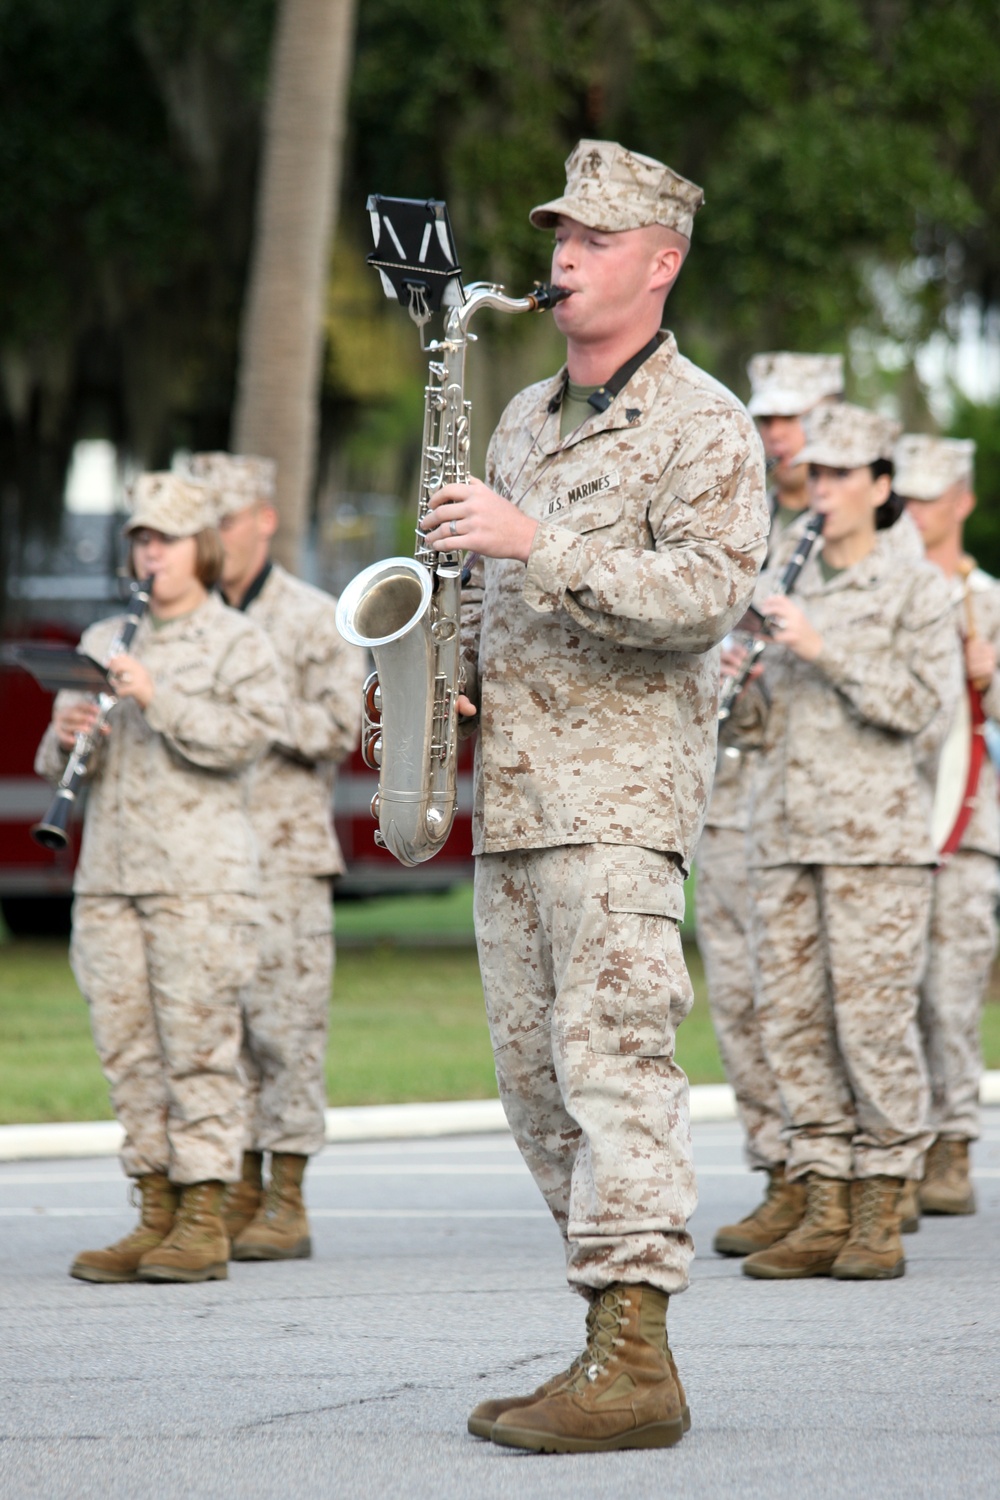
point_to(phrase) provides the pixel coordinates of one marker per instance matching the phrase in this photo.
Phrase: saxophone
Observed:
(407, 612)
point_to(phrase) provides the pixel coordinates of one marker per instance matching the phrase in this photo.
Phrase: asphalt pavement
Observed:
(437, 1281)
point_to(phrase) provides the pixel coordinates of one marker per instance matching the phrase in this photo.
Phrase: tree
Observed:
(280, 360)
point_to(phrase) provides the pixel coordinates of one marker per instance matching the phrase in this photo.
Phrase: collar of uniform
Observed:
(866, 574)
(198, 622)
(628, 409)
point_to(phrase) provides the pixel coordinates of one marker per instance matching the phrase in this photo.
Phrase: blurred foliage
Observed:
(982, 529)
(128, 143)
(838, 141)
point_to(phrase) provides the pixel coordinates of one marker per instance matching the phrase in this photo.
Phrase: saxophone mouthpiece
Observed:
(546, 295)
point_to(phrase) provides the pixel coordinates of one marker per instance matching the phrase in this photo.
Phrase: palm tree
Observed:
(276, 412)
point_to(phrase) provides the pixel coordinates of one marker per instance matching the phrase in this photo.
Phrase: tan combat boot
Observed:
(909, 1207)
(482, 1417)
(782, 1209)
(242, 1199)
(874, 1250)
(119, 1262)
(624, 1393)
(197, 1248)
(946, 1188)
(279, 1229)
(811, 1248)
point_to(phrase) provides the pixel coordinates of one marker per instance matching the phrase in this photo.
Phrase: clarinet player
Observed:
(861, 678)
(165, 908)
(619, 531)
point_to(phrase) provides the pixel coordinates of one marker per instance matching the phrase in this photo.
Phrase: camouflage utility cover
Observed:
(848, 437)
(842, 779)
(610, 188)
(594, 662)
(238, 479)
(169, 503)
(789, 385)
(291, 787)
(167, 805)
(927, 466)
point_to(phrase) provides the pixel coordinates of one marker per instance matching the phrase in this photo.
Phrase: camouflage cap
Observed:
(170, 503)
(789, 385)
(847, 437)
(927, 466)
(238, 479)
(613, 189)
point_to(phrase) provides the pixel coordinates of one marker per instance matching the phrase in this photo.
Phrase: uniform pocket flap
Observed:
(652, 893)
(591, 515)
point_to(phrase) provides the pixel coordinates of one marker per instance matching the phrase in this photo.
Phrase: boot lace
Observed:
(870, 1209)
(603, 1335)
(819, 1190)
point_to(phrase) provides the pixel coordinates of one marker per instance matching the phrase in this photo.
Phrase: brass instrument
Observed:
(733, 686)
(407, 611)
(52, 831)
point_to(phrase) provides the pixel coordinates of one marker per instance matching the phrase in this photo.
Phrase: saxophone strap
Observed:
(602, 398)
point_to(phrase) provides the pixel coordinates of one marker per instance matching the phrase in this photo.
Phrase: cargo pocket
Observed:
(642, 990)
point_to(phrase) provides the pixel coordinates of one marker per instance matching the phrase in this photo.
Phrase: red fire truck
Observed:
(60, 589)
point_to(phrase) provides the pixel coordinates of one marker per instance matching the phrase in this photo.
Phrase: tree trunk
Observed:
(281, 342)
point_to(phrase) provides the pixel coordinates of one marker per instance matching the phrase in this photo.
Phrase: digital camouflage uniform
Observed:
(166, 914)
(841, 854)
(788, 385)
(291, 804)
(963, 931)
(596, 681)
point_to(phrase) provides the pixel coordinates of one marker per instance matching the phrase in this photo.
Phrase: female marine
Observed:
(164, 915)
(865, 661)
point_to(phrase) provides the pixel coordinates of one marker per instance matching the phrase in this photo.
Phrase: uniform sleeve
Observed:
(231, 716)
(708, 520)
(917, 681)
(324, 709)
(50, 757)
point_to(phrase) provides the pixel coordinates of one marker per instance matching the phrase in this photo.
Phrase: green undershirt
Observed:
(575, 407)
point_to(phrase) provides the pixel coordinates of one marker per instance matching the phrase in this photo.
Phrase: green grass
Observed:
(406, 1022)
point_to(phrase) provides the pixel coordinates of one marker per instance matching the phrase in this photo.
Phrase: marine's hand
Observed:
(465, 706)
(791, 628)
(476, 519)
(129, 679)
(980, 662)
(732, 659)
(71, 719)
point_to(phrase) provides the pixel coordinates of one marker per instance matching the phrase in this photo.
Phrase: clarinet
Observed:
(52, 831)
(733, 686)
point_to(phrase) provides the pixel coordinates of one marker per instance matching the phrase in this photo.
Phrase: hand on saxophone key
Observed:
(476, 519)
(129, 679)
(72, 719)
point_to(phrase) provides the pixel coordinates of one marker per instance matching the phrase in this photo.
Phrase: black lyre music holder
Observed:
(415, 254)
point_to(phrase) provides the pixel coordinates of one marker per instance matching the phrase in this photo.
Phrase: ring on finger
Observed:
(453, 527)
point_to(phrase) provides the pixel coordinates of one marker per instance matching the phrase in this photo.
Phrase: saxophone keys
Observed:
(371, 750)
(373, 698)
